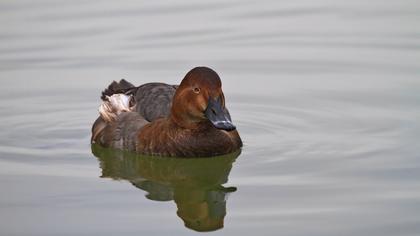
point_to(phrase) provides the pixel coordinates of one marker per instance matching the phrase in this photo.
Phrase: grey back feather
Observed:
(154, 100)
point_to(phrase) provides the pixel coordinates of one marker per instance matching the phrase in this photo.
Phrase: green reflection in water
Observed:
(195, 184)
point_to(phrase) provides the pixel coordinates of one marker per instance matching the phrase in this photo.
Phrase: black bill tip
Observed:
(225, 125)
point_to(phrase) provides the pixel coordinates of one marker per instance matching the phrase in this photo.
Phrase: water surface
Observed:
(325, 94)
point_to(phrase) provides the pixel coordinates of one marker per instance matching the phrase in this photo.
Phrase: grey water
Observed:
(325, 95)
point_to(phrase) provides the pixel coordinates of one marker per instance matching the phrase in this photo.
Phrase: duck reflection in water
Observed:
(195, 184)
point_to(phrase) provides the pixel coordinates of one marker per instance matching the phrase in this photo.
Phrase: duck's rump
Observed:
(153, 100)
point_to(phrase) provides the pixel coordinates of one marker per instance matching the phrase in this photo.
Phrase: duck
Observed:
(158, 119)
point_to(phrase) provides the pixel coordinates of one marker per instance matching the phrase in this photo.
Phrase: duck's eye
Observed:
(196, 90)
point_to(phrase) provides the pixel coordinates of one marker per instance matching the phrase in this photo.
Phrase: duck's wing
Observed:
(154, 100)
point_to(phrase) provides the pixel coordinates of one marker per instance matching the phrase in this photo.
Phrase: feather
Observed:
(114, 105)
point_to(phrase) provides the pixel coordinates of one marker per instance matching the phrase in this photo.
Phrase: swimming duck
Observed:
(189, 120)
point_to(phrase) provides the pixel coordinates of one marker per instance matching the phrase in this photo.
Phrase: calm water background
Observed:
(325, 94)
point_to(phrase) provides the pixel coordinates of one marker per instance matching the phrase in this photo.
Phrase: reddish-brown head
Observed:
(198, 98)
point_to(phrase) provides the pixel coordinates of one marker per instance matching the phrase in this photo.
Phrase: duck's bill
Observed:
(218, 115)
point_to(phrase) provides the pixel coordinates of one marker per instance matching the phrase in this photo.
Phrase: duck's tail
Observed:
(114, 105)
(123, 86)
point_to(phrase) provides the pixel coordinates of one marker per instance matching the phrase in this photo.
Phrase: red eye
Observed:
(196, 90)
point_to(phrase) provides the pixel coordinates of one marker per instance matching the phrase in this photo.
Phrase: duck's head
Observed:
(199, 98)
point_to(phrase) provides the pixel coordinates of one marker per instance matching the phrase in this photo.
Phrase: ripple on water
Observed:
(308, 135)
(46, 125)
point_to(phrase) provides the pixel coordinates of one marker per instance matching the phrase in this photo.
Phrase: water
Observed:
(325, 94)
